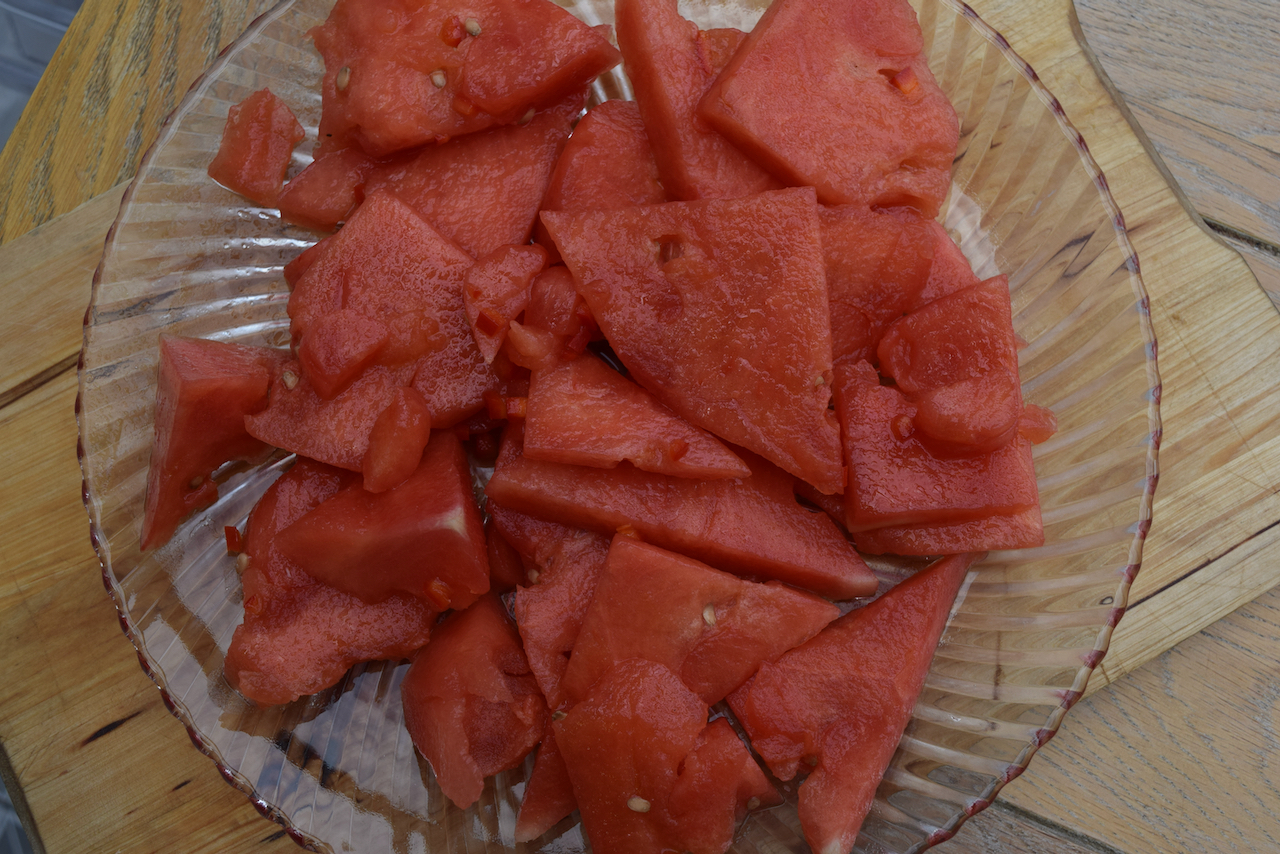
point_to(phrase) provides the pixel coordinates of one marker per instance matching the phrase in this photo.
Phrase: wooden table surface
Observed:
(1175, 748)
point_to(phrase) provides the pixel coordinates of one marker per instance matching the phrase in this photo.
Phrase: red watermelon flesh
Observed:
(335, 431)
(1019, 530)
(841, 701)
(896, 480)
(606, 164)
(877, 263)
(670, 64)
(496, 291)
(951, 271)
(483, 191)
(294, 269)
(257, 144)
(396, 441)
(548, 793)
(300, 636)
(506, 566)
(389, 265)
(750, 526)
(710, 628)
(203, 393)
(582, 412)
(956, 359)
(470, 704)
(424, 538)
(338, 347)
(530, 53)
(627, 748)
(854, 113)
(556, 306)
(564, 566)
(719, 307)
(399, 74)
(327, 191)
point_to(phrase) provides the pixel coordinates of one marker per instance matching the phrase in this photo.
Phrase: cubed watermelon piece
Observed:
(751, 526)
(397, 439)
(484, 190)
(338, 347)
(203, 393)
(470, 704)
(564, 565)
(496, 291)
(548, 793)
(840, 702)
(671, 63)
(556, 306)
(719, 308)
(257, 144)
(896, 480)
(629, 747)
(424, 538)
(401, 73)
(956, 359)
(877, 264)
(300, 636)
(837, 95)
(324, 193)
(582, 412)
(710, 628)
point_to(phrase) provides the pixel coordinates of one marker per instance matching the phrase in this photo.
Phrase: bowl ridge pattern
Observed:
(337, 770)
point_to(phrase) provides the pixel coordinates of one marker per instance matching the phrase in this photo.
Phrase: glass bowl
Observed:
(337, 770)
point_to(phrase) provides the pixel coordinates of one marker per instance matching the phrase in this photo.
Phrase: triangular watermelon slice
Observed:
(482, 191)
(711, 629)
(719, 307)
(582, 412)
(670, 63)
(750, 526)
(841, 701)
(837, 95)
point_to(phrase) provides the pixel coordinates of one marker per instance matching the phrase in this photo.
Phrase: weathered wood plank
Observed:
(103, 764)
(45, 281)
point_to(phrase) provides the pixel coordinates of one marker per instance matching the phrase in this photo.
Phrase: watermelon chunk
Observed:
(751, 526)
(719, 308)
(396, 440)
(335, 431)
(896, 480)
(400, 74)
(956, 359)
(564, 566)
(205, 390)
(496, 291)
(710, 628)
(257, 144)
(606, 164)
(300, 636)
(388, 265)
(548, 793)
(483, 191)
(951, 271)
(877, 264)
(629, 747)
(855, 113)
(841, 701)
(424, 538)
(582, 412)
(326, 191)
(1019, 530)
(671, 63)
(470, 704)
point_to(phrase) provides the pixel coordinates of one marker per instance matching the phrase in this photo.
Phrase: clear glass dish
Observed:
(337, 770)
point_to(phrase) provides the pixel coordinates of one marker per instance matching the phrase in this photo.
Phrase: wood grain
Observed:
(81, 722)
(120, 70)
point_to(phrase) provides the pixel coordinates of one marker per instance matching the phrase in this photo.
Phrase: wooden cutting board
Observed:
(72, 680)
